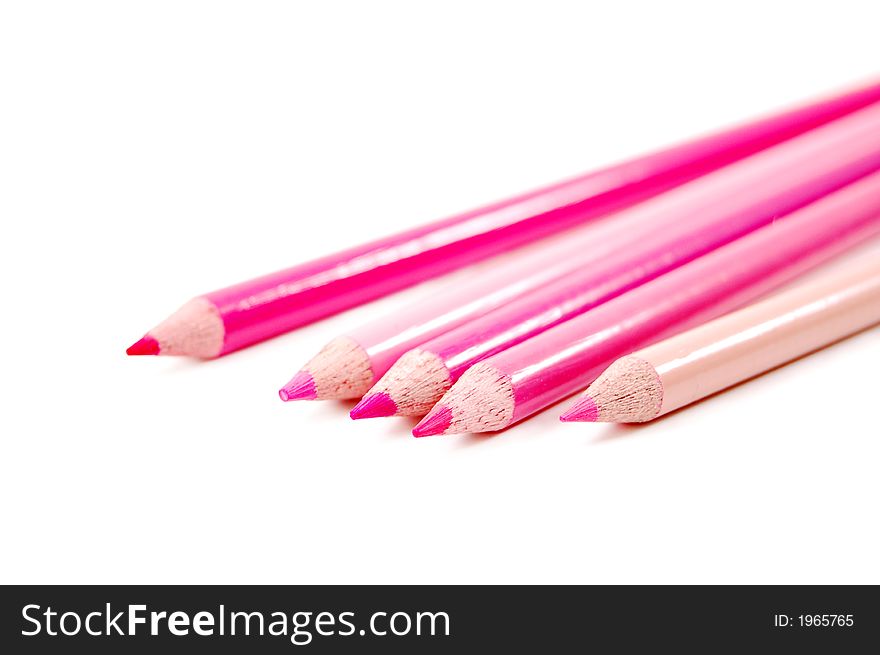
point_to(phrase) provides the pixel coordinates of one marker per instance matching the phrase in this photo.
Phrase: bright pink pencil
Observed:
(223, 321)
(531, 376)
(638, 245)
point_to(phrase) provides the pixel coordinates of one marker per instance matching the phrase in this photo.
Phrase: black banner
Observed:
(413, 619)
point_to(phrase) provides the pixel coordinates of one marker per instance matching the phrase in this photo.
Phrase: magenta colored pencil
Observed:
(223, 321)
(639, 245)
(533, 375)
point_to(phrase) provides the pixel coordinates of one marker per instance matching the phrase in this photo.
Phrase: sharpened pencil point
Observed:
(584, 411)
(374, 405)
(301, 387)
(437, 421)
(147, 345)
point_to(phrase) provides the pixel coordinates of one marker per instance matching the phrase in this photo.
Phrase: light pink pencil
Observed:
(637, 246)
(676, 372)
(529, 377)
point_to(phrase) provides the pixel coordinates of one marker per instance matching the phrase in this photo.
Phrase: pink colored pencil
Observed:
(529, 377)
(639, 245)
(223, 321)
(685, 368)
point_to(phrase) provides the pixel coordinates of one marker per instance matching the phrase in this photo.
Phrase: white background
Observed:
(153, 151)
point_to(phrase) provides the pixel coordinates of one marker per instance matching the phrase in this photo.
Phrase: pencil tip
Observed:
(437, 421)
(146, 345)
(374, 405)
(301, 387)
(584, 411)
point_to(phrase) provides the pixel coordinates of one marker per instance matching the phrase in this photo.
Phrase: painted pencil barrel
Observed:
(842, 301)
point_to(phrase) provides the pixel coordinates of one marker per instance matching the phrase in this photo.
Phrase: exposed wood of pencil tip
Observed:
(481, 401)
(341, 370)
(194, 330)
(628, 391)
(411, 387)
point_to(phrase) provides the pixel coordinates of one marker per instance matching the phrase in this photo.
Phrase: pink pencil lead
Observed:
(374, 405)
(147, 345)
(301, 387)
(437, 421)
(584, 410)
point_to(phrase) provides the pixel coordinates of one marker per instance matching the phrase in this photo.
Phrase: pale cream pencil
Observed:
(829, 306)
